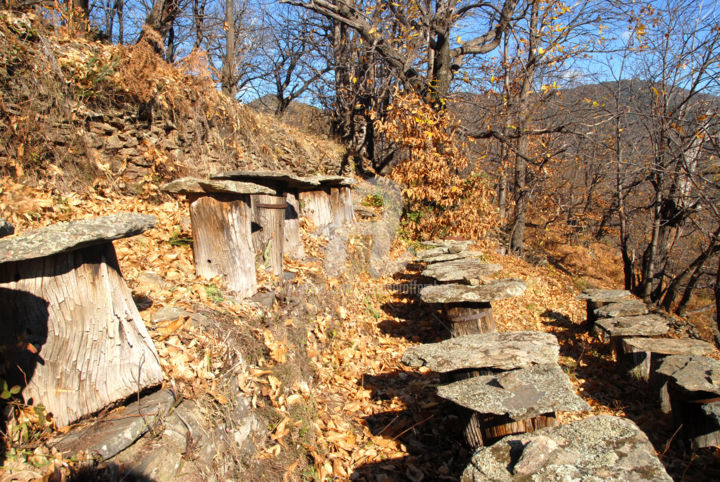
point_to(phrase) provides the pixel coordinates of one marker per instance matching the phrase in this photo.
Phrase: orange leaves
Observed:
(440, 201)
(278, 350)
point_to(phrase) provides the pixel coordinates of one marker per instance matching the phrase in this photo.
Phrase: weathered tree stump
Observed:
(220, 216)
(643, 356)
(269, 213)
(316, 206)
(693, 391)
(596, 298)
(513, 402)
(293, 244)
(62, 293)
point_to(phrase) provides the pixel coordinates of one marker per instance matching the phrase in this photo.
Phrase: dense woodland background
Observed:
(593, 120)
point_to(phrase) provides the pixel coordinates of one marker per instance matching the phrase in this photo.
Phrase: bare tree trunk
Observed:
(650, 254)
(198, 22)
(226, 76)
(119, 6)
(159, 22)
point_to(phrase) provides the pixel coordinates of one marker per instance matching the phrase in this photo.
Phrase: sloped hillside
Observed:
(82, 112)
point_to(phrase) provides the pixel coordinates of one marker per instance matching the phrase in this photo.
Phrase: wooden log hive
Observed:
(269, 214)
(613, 330)
(70, 327)
(643, 356)
(220, 215)
(293, 243)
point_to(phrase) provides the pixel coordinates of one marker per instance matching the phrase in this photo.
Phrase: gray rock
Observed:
(643, 325)
(167, 313)
(468, 271)
(692, 373)
(452, 257)
(68, 236)
(275, 178)
(456, 293)
(114, 142)
(601, 448)
(192, 185)
(329, 180)
(264, 298)
(669, 346)
(621, 308)
(520, 394)
(151, 280)
(432, 252)
(505, 351)
(604, 296)
(6, 229)
(447, 243)
(112, 434)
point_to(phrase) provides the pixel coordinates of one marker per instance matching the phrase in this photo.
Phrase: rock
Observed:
(670, 346)
(604, 296)
(335, 181)
(149, 280)
(469, 271)
(68, 236)
(452, 257)
(168, 313)
(534, 455)
(101, 128)
(264, 298)
(6, 229)
(112, 434)
(692, 373)
(520, 394)
(114, 142)
(192, 185)
(621, 308)
(274, 178)
(644, 325)
(432, 252)
(505, 351)
(364, 213)
(594, 449)
(447, 243)
(456, 293)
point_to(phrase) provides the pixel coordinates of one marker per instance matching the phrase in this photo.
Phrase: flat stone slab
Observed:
(468, 271)
(452, 257)
(604, 296)
(273, 177)
(504, 351)
(329, 180)
(520, 394)
(457, 293)
(693, 373)
(446, 243)
(193, 185)
(644, 325)
(621, 308)
(598, 448)
(669, 346)
(114, 433)
(72, 235)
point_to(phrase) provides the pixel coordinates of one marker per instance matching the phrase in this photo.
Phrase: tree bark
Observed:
(92, 346)
(228, 69)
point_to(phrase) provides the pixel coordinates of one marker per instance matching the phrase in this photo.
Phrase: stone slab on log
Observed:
(447, 243)
(467, 271)
(112, 434)
(193, 185)
(643, 356)
(457, 293)
(693, 373)
(273, 179)
(520, 394)
(692, 390)
(593, 449)
(643, 325)
(72, 235)
(503, 351)
(90, 347)
(621, 308)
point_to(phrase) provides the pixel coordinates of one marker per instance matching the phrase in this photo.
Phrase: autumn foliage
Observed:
(440, 200)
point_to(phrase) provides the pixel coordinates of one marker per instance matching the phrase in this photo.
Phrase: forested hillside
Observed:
(574, 145)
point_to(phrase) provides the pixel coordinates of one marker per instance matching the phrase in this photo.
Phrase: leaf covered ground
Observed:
(322, 365)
